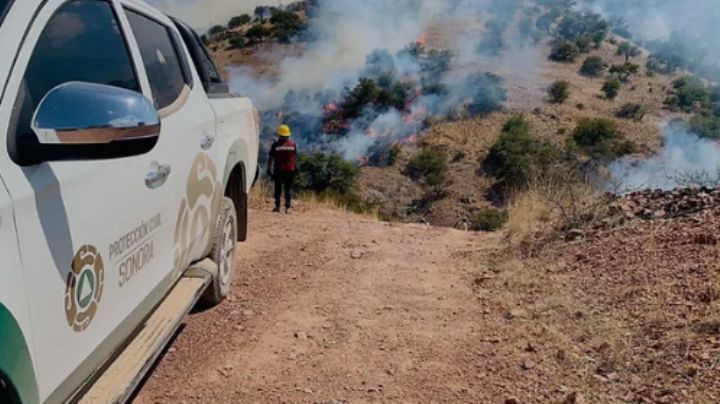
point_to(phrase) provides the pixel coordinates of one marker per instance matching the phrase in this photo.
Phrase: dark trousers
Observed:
(284, 181)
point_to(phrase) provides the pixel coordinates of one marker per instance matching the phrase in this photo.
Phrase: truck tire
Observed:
(240, 197)
(242, 215)
(223, 253)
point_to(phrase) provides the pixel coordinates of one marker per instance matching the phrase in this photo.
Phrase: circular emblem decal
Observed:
(84, 288)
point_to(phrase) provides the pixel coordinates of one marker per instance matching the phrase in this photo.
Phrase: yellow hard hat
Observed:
(284, 131)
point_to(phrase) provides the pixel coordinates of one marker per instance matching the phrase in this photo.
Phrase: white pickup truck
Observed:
(124, 173)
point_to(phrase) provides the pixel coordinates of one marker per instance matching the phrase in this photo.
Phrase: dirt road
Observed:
(330, 307)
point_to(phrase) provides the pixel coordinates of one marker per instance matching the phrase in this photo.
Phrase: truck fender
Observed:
(16, 367)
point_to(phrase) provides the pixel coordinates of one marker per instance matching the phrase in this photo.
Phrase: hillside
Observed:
(526, 73)
(494, 259)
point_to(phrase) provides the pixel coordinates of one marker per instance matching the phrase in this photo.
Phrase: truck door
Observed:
(188, 135)
(96, 237)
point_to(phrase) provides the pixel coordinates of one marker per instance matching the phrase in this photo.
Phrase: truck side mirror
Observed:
(86, 121)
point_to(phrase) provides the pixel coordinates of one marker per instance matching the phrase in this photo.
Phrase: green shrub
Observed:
(285, 24)
(459, 156)
(601, 139)
(559, 92)
(517, 157)
(628, 50)
(330, 177)
(326, 173)
(394, 154)
(429, 166)
(706, 126)
(564, 52)
(611, 88)
(625, 71)
(237, 41)
(239, 21)
(490, 219)
(687, 93)
(594, 66)
(631, 111)
(257, 32)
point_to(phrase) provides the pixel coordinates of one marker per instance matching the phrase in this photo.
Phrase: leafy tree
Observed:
(584, 43)
(564, 51)
(383, 93)
(517, 157)
(257, 32)
(489, 219)
(594, 66)
(624, 71)
(628, 50)
(262, 13)
(215, 29)
(591, 26)
(601, 139)
(429, 166)
(240, 20)
(611, 88)
(559, 92)
(285, 24)
(706, 126)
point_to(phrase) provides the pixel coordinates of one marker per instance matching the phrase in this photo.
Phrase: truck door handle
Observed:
(157, 176)
(207, 142)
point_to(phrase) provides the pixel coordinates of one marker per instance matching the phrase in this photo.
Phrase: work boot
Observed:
(288, 210)
(276, 210)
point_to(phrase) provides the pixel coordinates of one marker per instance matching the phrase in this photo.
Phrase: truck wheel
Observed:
(240, 197)
(223, 253)
(242, 214)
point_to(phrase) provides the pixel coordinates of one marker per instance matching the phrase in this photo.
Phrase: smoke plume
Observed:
(385, 41)
(685, 160)
(689, 27)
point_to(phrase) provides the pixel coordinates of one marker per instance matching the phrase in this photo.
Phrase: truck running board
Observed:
(118, 382)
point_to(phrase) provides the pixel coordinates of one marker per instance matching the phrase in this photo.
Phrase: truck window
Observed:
(81, 42)
(4, 7)
(160, 57)
(207, 70)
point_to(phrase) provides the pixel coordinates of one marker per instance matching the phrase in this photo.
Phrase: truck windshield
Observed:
(4, 7)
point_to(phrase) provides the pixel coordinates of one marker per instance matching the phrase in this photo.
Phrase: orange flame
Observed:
(331, 107)
(422, 39)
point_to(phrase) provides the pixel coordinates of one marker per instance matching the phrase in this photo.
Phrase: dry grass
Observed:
(261, 197)
(552, 206)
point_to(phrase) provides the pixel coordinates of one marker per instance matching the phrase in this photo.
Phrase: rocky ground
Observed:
(331, 308)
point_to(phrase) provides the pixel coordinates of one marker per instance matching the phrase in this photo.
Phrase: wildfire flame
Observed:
(331, 108)
(422, 39)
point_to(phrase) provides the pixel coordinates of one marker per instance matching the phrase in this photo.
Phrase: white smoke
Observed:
(685, 159)
(690, 24)
(346, 32)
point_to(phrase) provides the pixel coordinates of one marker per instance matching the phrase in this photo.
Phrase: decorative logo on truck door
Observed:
(84, 287)
(198, 212)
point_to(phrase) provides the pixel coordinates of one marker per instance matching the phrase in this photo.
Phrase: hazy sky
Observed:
(203, 13)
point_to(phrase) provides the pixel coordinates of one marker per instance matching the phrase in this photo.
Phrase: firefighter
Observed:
(282, 166)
